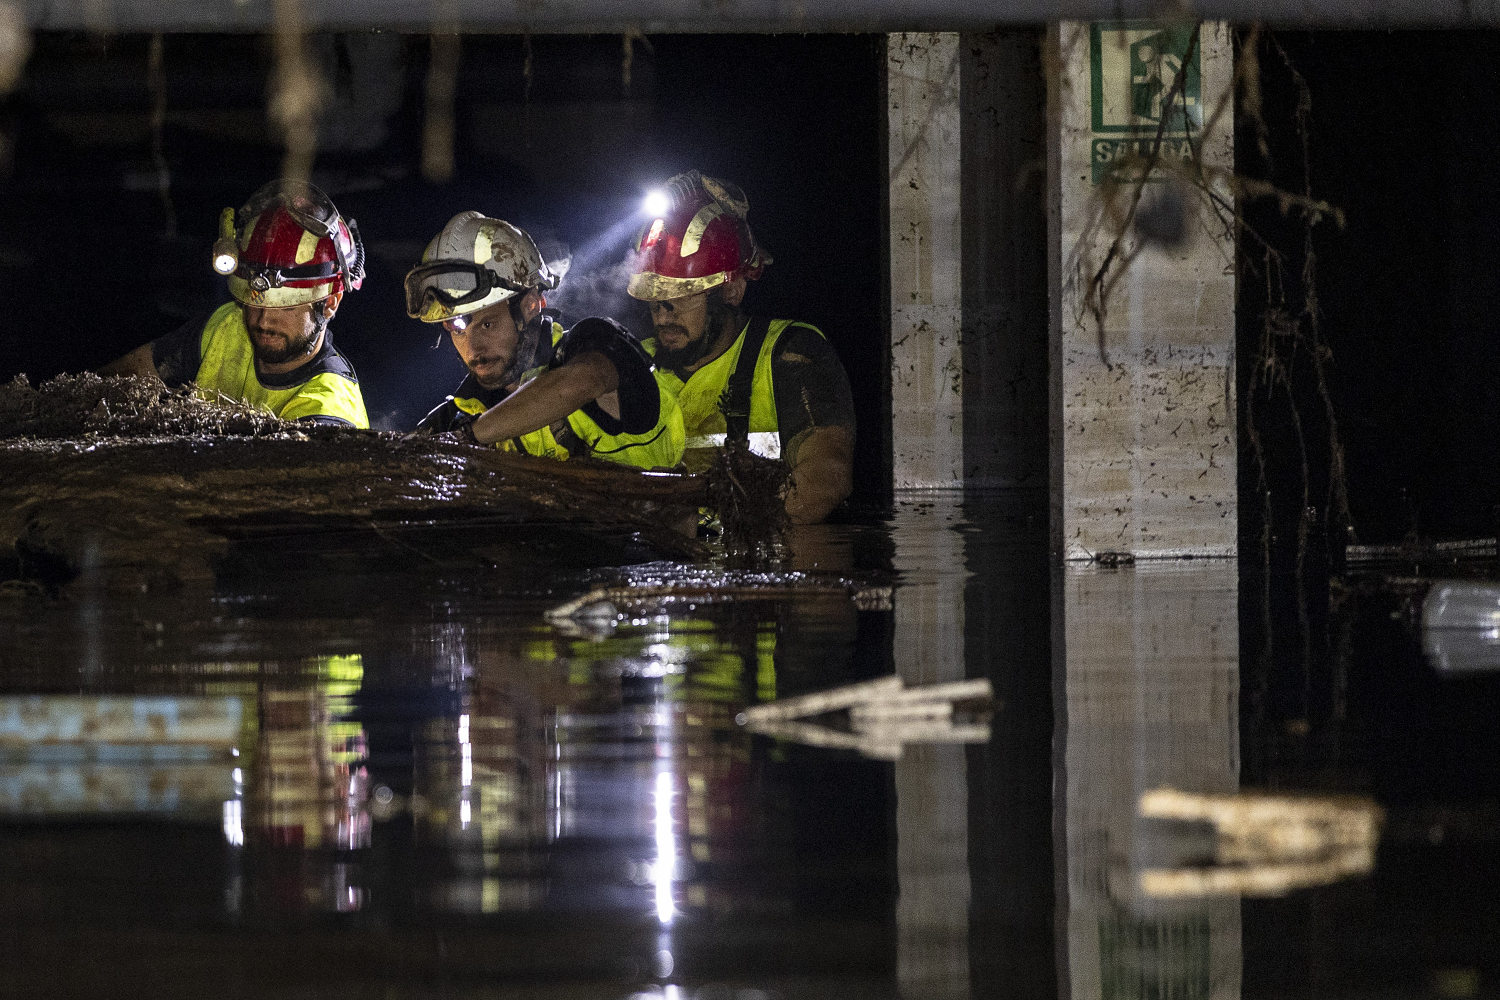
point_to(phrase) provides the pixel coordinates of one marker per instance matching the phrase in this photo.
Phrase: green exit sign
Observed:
(1133, 66)
(1133, 69)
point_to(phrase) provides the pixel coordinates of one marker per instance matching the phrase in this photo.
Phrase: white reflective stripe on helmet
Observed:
(766, 444)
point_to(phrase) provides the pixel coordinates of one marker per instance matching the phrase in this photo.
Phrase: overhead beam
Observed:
(730, 16)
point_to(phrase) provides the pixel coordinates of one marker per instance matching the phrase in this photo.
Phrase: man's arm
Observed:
(822, 473)
(137, 362)
(815, 414)
(173, 358)
(548, 398)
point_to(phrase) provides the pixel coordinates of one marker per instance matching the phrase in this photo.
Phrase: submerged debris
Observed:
(168, 506)
(748, 493)
(607, 604)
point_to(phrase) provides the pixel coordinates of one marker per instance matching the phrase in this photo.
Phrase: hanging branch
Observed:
(298, 93)
(156, 80)
(15, 48)
(1337, 497)
(527, 63)
(15, 45)
(627, 55)
(442, 90)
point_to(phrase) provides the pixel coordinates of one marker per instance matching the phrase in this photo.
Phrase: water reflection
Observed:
(309, 787)
(1265, 845)
(436, 787)
(72, 756)
(880, 718)
(1150, 664)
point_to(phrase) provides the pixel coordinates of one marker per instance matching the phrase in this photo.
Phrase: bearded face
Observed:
(687, 328)
(281, 335)
(491, 346)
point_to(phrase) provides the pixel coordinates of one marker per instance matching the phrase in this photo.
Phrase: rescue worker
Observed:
(531, 386)
(289, 257)
(777, 383)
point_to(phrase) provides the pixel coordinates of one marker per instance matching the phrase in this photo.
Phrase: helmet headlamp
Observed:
(264, 277)
(657, 203)
(287, 203)
(226, 250)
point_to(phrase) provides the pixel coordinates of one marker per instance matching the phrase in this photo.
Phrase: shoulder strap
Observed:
(735, 402)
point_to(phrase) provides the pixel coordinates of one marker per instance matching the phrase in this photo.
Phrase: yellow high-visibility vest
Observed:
(700, 396)
(228, 368)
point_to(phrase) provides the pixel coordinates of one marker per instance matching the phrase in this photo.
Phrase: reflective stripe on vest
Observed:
(764, 443)
(228, 369)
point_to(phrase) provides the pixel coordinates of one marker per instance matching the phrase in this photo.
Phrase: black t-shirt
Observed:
(812, 388)
(640, 399)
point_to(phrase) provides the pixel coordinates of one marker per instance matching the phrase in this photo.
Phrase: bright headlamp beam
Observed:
(656, 203)
(226, 249)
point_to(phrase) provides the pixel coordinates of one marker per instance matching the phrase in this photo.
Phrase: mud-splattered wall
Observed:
(1143, 425)
(967, 267)
(925, 261)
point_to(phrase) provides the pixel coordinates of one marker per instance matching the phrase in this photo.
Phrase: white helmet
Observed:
(474, 263)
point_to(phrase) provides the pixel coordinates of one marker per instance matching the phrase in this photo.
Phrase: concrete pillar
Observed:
(968, 263)
(927, 420)
(1150, 698)
(1142, 290)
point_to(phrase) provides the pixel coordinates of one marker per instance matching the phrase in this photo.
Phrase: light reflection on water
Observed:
(416, 781)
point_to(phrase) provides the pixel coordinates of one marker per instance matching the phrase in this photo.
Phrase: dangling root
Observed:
(747, 491)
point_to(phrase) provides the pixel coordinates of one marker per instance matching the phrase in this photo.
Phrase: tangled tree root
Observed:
(748, 493)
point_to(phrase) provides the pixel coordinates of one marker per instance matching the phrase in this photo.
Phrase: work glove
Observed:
(439, 418)
(460, 428)
(446, 422)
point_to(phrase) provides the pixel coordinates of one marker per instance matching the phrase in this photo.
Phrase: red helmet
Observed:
(701, 241)
(292, 247)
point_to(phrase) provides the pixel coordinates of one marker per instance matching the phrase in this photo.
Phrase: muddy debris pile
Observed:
(86, 405)
(126, 483)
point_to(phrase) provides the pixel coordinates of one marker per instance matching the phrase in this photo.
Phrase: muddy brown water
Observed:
(359, 764)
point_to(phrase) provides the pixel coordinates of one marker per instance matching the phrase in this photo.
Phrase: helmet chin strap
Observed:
(696, 350)
(723, 320)
(320, 326)
(526, 344)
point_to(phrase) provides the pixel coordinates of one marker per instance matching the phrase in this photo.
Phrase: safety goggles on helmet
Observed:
(434, 291)
(310, 207)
